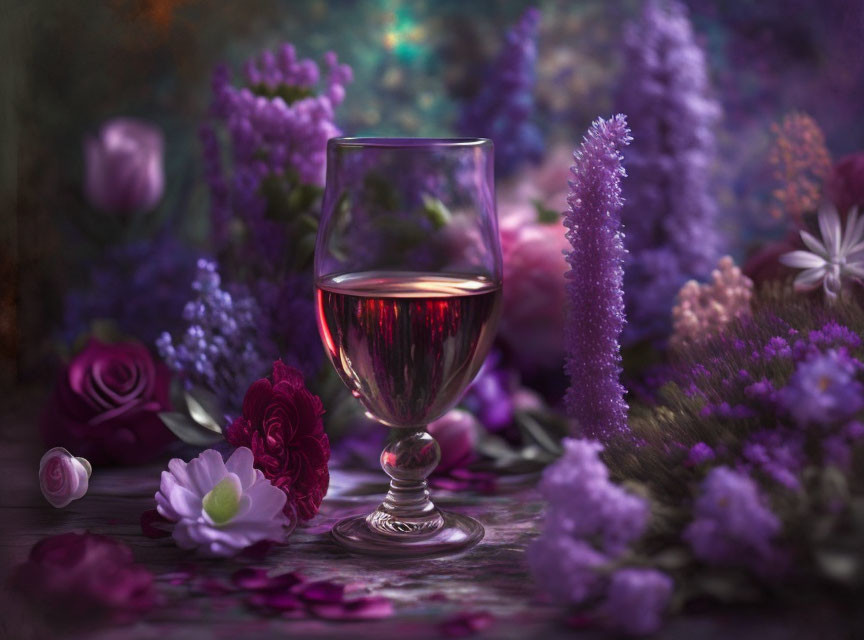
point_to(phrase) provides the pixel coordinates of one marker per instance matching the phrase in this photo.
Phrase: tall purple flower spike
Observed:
(595, 281)
(504, 106)
(670, 216)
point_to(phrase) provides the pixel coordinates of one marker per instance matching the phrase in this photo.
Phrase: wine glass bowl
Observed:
(408, 294)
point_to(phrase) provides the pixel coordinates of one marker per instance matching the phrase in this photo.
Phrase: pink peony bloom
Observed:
(221, 507)
(545, 184)
(63, 477)
(532, 313)
(106, 404)
(456, 433)
(124, 166)
(704, 310)
(85, 577)
(844, 186)
(281, 424)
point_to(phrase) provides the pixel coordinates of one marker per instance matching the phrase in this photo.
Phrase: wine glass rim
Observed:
(408, 143)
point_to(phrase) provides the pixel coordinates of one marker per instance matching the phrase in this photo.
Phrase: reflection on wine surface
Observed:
(407, 344)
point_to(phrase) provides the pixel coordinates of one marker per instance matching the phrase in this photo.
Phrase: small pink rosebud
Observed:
(124, 170)
(63, 477)
(456, 433)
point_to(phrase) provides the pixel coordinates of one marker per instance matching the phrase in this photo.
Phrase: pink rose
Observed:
(63, 477)
(84, 577)
(532, 313)
(456, 433)
(844, 186)
(106, 404)
(124, 166)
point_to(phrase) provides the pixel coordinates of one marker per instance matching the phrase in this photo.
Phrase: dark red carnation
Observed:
(106, 403)
(281, 424)
(85, 577)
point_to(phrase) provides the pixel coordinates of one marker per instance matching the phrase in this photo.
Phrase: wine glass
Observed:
(408, 293)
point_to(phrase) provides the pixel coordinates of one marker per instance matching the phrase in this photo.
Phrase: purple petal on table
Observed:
(214, 587)
(154, 525)
(254, 579)
(321, 591)
(181, 575)
(258, 551)
(371, 608)
(274, 602)
(466, 623)
(580, 621)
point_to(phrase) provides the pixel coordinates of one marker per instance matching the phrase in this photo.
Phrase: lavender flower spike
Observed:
(595, 281)
(504, 107)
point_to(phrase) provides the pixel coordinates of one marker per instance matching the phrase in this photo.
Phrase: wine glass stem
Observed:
(407, 510)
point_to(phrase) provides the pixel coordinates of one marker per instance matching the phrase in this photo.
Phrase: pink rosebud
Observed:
(456, 433)
(124, 166)
(63, 477)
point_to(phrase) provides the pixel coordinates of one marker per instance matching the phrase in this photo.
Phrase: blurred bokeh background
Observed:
(70, 66)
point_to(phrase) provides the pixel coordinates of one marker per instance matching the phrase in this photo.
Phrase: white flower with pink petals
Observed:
(221, 507)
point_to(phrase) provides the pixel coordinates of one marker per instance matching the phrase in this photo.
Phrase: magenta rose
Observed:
(85, 577)
(63, 477)
(844, 186)
(106, 403)
(281, 423)
(124, 166)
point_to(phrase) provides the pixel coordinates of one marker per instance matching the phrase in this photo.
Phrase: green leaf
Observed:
(546, 215)
(204, 408)
(436, 211)
(189, 431)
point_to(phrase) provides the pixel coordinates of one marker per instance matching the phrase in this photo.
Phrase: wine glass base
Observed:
(458, 533)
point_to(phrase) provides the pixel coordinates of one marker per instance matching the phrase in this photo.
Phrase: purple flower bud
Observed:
(456, 433)
(124, 166)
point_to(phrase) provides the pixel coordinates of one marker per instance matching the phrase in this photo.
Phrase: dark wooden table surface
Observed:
(490, 578)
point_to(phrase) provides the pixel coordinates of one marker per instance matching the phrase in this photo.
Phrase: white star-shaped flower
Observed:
(839, 256)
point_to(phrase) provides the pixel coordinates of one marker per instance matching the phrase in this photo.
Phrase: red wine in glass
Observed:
(407, 344)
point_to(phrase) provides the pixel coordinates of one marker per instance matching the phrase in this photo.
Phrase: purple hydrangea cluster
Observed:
(824, 389)
(590, 523)
(137, 286)
(222, 348)
(643, 594)
(504, 107)
(732, 524)
(670, 215)
(595, 397)
(278, 125)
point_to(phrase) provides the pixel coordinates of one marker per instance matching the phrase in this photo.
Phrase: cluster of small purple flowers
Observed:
(222, 349)
(504, 107)
(732, 524)
(795, 403)
(136, 286)
(590, 524)
(278, 128)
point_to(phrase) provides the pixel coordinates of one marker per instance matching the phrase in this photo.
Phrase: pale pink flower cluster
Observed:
(705, 309)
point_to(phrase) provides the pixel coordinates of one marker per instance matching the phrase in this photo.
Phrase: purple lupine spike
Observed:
(595, 280)
(670, 216)
(504, 106)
